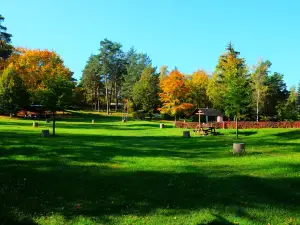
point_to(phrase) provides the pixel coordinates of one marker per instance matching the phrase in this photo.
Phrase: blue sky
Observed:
(189, 34)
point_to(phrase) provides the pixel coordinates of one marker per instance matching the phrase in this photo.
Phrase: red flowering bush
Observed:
(242, 125)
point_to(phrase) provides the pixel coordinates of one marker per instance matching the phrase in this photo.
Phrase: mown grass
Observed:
(135, 173)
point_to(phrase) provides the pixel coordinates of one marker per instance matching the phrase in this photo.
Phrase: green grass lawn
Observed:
(135, 173)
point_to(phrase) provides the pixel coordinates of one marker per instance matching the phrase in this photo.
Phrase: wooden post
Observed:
(35, 124)
(186, 134)
(45, 133)
(53, 124)
(236, 128)
(93, 121)
(238, 148)
(162, 126)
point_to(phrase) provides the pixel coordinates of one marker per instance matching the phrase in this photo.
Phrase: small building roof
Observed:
(207, 112)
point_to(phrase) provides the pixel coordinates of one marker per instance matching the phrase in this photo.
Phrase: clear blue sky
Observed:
(189, 34)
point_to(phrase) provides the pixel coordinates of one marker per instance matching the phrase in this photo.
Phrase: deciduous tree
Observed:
(55, 94)
(258, 85)
(37, 66)
(13, 93)
(174, 94)
(198, 88)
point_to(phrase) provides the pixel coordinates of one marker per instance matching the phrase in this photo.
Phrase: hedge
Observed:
(242, 125)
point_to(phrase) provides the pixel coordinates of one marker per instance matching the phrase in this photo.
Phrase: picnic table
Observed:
(205, 129)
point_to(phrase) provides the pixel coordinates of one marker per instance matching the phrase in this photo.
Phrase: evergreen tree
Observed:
(145, 91)
(112, 62)
(277, 94)
(5, 39)
(287, 110)
(92, 81)
(232, 77)
(136, 63)
(298, 98)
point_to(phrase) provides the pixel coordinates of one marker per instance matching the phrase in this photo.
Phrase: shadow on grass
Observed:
(291, 135)
(245, 132)
(218, 221)
(43, 188)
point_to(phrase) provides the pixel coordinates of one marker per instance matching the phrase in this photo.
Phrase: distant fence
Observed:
(241, 125)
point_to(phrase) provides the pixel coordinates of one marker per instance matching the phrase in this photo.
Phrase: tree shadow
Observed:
(245, 132)
(218, 221)
(112, 191)
(291, 135)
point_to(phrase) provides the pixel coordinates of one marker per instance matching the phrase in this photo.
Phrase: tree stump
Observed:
(186, 134)
(238, 148)
(162, 126)
(93, 121)
(45, 133)
(35, 124)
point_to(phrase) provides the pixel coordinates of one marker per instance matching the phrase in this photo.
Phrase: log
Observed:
(45, 133)
(161, 126)
(35, 124)
(239, 148)
(186, 134)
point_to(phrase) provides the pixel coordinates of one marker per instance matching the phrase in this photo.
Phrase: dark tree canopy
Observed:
(5, 39)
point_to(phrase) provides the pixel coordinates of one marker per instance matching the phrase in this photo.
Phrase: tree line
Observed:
(126, 81)
(236, 89)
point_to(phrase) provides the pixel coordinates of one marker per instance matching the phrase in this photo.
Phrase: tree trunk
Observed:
(110, 97)
(106, 95)
(257, 101)
(236, 127)
(53, 124)
(98, 98)
(116, 93)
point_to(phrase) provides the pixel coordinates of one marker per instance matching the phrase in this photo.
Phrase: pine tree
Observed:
(5, 39)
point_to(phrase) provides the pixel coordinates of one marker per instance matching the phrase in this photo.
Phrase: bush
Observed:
(167, 117)
(244, 125)
(140, 115)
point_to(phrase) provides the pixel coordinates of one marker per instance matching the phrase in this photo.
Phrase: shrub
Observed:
(244, 125)
(140, 115)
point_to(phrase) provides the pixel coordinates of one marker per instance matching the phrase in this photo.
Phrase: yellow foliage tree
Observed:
(198, 86)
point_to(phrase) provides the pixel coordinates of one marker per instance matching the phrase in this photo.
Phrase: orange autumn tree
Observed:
(174, 94)
(37, 66)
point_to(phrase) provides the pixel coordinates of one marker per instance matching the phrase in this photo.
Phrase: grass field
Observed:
(134, 173)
